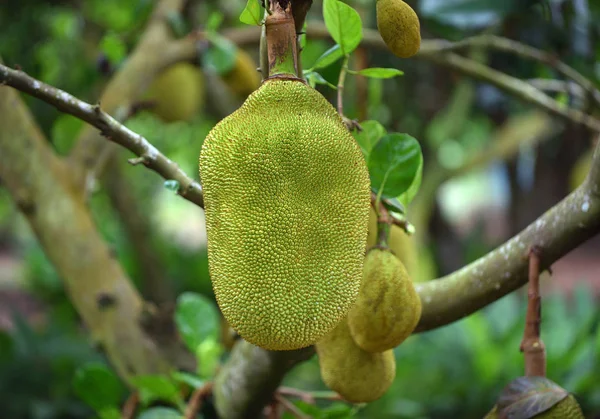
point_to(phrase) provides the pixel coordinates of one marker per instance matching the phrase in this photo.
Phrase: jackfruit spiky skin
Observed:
(243, 78)
(355, 374)
(388, 307)
(567, 408)
(287, 196)
(399, 27)
(177, 93)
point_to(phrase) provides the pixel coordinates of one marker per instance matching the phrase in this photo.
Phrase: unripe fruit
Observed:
(287, 197)
(243, 78)
(399, 27)
(565, 409)
(355, 374)
(177, 93)
(388, 307)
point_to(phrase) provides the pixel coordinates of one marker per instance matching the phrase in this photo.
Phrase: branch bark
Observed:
(39, 183)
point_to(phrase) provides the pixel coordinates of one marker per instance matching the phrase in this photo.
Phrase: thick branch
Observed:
(125, 88)
(109, 127)
(40, 185)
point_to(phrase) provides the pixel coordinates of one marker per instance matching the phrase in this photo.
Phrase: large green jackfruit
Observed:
(388, 307)
(355, 374)
(287, 196)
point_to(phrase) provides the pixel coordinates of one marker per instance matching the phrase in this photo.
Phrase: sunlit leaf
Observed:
(372, 131)
(156, 388)
(379, 73)
(252, 13)
(329, 57)
(344, 24)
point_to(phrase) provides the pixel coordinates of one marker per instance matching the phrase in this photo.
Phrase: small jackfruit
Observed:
(355, 374)
(400, 243)
(399, 27)
(244, 77)
(388, 307)
(287, 197)
(177, 92)
(567, 408)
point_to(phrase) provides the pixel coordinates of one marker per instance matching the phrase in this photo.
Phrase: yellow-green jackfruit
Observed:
(244, 77)
(567, 408)
(287, 196)
(399, 27)
(388, 307)
(177, 93)
(355, 374)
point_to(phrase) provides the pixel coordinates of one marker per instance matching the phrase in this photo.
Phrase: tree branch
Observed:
(105, 298)
(109, 128)
(148, 59)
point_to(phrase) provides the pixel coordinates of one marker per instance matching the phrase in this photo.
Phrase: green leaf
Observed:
(214, 21)
(394, 205)
(98, 386)
(526, 397)
(157, 388)
(379, 73)
(160, 413)
(339, 411)
(209, 355)
(113, 47)
(110, 413)
(407, 197)
(315, 78)
(393, 164)
(187, 378)
(468, 14)
(252, 13)
(344, 25)
(220, 56)
(197, 319)
(371, 133)
(328, 57)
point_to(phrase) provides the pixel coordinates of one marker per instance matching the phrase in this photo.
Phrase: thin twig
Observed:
(196, 399)
(309, 396)
(532, 345)
(290, 407)
(340, 86)
(108, 126)
(130, 406)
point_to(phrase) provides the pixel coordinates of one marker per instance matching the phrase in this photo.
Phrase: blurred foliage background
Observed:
(455, 371)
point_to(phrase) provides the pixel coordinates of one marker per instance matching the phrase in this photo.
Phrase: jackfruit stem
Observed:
(282, 47)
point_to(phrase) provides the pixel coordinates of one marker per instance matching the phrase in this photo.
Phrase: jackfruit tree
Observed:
(315, 199)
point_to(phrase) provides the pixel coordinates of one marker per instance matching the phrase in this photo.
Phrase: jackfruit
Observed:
(388, 307)
(567, 408)
(244, 77)
(355, 374)
(287, 196)
(177, 93)
(399, 27)
(400, 243)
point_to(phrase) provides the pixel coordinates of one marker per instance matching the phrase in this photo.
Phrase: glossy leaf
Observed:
(371, 133)
(329, 57)
(393, 164)
(197, 319)
(156, 388)
(525, 397)
(98, 386)
(344, 24)
(379, 73)
(407, 197)
(252, 13)
(315, 78)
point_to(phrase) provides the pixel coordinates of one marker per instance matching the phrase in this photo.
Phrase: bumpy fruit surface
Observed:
(177, 93)
(567, 408)
(287, 195)
(357, 375)
(388, 307)
(243, 78)
(399, 27)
